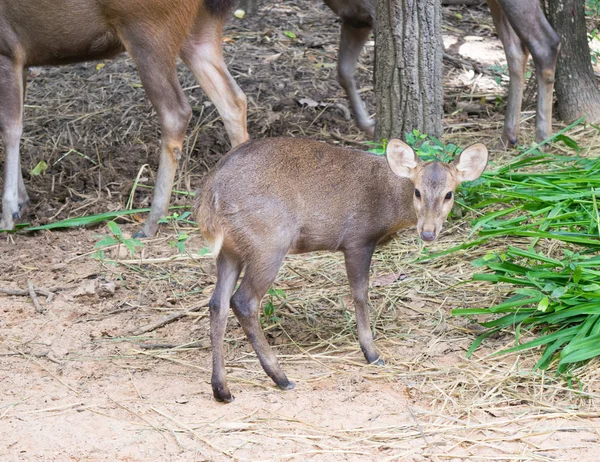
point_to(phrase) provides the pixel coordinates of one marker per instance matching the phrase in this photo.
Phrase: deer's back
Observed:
(317, 195)
(40, 32)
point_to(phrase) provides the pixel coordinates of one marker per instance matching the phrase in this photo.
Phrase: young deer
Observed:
(522, 28)
(154, 33)
(271, 197)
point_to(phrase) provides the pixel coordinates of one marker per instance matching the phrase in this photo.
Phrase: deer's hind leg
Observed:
(155, 52)
(228, 272)
(203, 53)
(261, 270)
(352, 41)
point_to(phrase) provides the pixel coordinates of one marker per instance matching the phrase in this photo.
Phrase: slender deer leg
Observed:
(352, 41)
(228, 272)
(358, 262)
(534, 30)
(529, 24)
(516, 58)
(156, 64)
(14, 197)
(259, 275)
(203, 54)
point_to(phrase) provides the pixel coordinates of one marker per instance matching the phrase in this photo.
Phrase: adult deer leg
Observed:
(352, 41)
(156, 58)
(14, 197)
(516, 58)
(203, 54)
(529, 24)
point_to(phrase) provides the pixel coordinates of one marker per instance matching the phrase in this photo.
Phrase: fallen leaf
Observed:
(272, 58)
(308, 102)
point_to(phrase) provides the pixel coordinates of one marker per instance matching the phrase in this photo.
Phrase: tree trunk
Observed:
(408, 68)
(576, 89)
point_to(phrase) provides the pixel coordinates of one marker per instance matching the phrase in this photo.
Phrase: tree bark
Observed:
(408, 68)
(576, 89)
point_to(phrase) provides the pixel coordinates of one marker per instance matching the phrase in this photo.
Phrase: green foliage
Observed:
(427, 147)
(176, 218)
(179, 242)
(559, 297)
(40, 168)
(500, 72)
(115, 238)
(592, 12)
(542, 196)
(204, 251)
(274, 297)
(592, 8)
(89, 220)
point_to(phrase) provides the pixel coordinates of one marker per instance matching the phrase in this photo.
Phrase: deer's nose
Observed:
(428, 236)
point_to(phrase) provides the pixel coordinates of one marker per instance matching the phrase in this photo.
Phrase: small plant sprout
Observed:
(179, 242)
(115, 238)
(274, 296)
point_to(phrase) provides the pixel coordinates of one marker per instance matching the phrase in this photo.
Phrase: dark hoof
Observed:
(289, 385)
(16, 216)
(223, 396)
(140, 235)
(378, 362)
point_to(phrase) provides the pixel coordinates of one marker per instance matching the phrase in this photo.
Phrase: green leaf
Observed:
(543, 304)
(106, 242)
(289, 34)
(204, 251)
(577, 274)
(558, 292)
(114, 228)
(40, 168)
(570, 142)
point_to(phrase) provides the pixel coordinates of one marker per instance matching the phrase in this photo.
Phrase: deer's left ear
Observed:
(471, 163)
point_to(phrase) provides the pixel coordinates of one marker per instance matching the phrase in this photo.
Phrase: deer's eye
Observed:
(448, 196)
(417, 193)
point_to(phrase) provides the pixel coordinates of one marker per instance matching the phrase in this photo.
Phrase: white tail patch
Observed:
(215, 246)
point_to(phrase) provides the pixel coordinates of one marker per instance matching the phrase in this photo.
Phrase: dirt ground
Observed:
(89, 379)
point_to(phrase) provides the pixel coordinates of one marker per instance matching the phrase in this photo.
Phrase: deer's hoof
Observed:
(289, 385)
(223, 395)
(141, 234)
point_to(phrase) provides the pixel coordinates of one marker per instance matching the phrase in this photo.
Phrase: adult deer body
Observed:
(154, 33)
(268, 198)
(522, 28)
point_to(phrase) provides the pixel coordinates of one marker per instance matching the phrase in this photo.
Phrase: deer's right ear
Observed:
(401, 158)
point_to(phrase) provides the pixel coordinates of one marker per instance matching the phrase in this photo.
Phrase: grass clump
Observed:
(553, 199)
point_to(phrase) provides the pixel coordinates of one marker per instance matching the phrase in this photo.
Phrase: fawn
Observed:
(271, 197)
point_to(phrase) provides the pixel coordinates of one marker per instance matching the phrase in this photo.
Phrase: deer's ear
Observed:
(401, 158)
(471, 163)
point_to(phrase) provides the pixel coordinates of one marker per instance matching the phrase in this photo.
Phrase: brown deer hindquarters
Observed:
(155, 33)
(271, 197)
